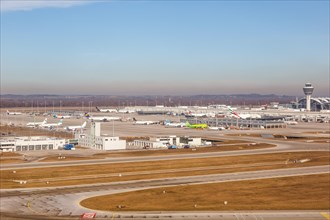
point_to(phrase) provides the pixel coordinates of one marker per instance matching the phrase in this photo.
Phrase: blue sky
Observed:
(164, 47)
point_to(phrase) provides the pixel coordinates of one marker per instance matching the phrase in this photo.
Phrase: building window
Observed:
(51, 147)
(24, 148)
(18, 148)
(38, 147)
(31, 147)
(44, 146)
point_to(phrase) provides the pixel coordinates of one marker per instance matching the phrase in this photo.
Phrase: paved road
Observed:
(64, 201)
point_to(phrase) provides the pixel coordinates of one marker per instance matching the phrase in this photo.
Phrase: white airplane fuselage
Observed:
(13, 113)
(146, 122)
(104, 118)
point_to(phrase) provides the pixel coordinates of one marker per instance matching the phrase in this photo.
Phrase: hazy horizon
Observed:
(174, 48)
(158, 95)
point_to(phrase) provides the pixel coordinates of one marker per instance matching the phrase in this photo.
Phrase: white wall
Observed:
(114, 145)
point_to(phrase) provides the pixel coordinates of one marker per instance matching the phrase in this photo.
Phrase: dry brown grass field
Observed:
(184, 151)
(8, 154)
(10, 157)
(310, 192)
(11, 160)
(102, 173)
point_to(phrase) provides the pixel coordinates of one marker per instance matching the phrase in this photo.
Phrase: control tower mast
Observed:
(308, 90)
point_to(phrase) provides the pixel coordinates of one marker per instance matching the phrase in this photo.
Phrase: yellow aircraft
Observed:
(188, 125)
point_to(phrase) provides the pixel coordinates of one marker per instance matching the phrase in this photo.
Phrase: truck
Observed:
(68, 147)
(172, 147)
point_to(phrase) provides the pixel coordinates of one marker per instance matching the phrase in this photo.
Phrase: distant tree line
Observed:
(9, 101)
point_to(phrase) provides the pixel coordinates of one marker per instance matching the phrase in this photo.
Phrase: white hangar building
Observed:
(31, 143)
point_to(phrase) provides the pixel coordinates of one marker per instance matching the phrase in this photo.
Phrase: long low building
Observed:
(238, 122)
(32, 143)
(317, 103)
(165, 142)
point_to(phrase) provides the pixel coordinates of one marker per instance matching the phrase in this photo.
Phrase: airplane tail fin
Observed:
(44, 122)
(54, 116)
(167, 122)
(134, 119)
(8, 112)
(97, 108)
(188, 124)
(87, 115)
(234, 113)
(60, 122)
(84, 125)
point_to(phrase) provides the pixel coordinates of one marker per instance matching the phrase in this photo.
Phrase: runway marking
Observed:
(28, 204)
(113, 216)
(325, 215)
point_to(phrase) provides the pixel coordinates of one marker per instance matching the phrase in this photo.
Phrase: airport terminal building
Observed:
(32, 143)
(317, 103)
(238, 122)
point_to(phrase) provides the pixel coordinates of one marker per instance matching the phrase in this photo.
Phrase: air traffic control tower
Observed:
(308, 90)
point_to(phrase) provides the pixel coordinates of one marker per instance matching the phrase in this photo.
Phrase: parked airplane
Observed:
(127, 111)
(216, 128)
(61, 116)
(234, 114)
(144, 122)
(291, 122)
(190, 114)
(243, 116)
(107, 110)
(170, 124)
(52, 125)
(101, 118)
(36, 124)
(73, 128)
(13, 113)
(188, 125)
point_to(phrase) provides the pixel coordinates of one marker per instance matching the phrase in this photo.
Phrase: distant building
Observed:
(33, 143)
(261, 123)
(94, 140)
(165, 142)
